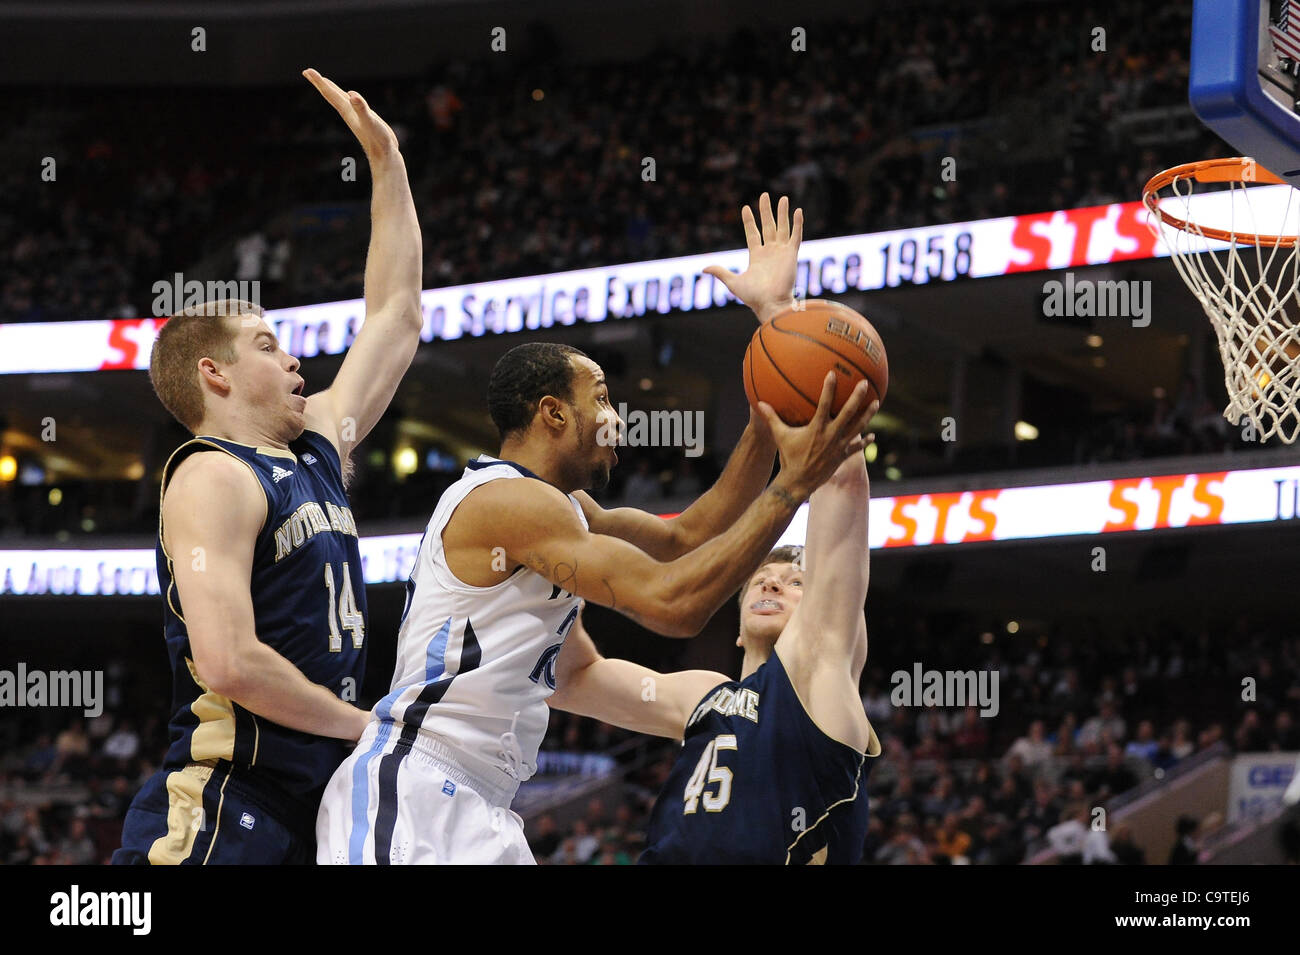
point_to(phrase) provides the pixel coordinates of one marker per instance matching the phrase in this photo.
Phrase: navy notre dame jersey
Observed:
(309, 605)
(758, 783)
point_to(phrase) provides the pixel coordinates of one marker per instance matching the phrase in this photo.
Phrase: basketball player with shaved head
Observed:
(258, 560)
(513, 549)
(773, 767)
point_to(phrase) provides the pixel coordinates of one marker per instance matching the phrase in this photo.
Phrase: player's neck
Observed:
(753, 660)
(535, 459)
(240, 432)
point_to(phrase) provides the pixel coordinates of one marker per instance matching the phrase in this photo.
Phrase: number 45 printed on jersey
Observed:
(349, 617)
(707, 772)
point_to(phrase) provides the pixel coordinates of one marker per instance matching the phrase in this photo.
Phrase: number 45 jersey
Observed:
(757, 782)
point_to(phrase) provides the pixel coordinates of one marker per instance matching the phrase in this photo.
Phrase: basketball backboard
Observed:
(1243, 85)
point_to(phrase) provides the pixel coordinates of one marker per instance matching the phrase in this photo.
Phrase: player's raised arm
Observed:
(827, 629)
(214, 594)
(540, 530)
(384, 347)
(623, 693)
(767, 287)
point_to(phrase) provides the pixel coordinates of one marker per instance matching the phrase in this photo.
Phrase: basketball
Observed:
(787, 359)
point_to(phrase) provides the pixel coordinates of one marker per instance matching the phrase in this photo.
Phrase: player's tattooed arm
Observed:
(625, 694)
(535, 525)
(383, 349)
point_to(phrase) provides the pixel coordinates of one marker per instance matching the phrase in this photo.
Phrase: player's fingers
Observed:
(797, 231)
(761, 423)
(752, 239)
(335, 97)
(867, 416)
(765, 212)
(783, 219)
(771, 419)
(823, 412)
(855, 445)
(327, 87)
(852, 418)
(858, 423)
(725, 276)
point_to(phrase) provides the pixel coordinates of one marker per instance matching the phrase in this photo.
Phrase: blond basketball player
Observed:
(773, 766)
(264, 601)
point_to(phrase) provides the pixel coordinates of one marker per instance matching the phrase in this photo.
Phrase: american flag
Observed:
(1286, 35)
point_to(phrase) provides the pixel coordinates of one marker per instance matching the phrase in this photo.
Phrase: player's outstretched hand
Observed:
(812, 453)
(767, 284)
(376, 137)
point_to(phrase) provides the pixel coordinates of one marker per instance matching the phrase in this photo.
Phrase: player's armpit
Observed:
(626, 694)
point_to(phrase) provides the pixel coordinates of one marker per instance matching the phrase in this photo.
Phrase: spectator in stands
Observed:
(77, 848)
(596, 817)
(1209, 736)
(1144, 745)
(1182, 746)
(972, 737)
(585, 842)
(1063, 740)
(1114, 778)
(567, 853)
(1107, 721)
(952, 843)
(1068, 836)
(1249, 736)
(1125, 850)
(544, 838)
(1286, 737)
(941, 800)
(1043, 813)
(904, 848)
(1032, 748)
(72, 750)
(1184, 850)
(1096, 847)
(123, 744)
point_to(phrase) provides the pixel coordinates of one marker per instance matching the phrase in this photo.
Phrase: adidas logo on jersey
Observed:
(278, 473)
(309, 459)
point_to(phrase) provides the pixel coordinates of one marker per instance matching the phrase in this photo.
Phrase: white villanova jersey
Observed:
(476, 664)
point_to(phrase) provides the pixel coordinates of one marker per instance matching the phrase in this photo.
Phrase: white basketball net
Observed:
(1248, 290)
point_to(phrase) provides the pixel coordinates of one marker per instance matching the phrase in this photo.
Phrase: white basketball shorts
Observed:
(416, 808)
